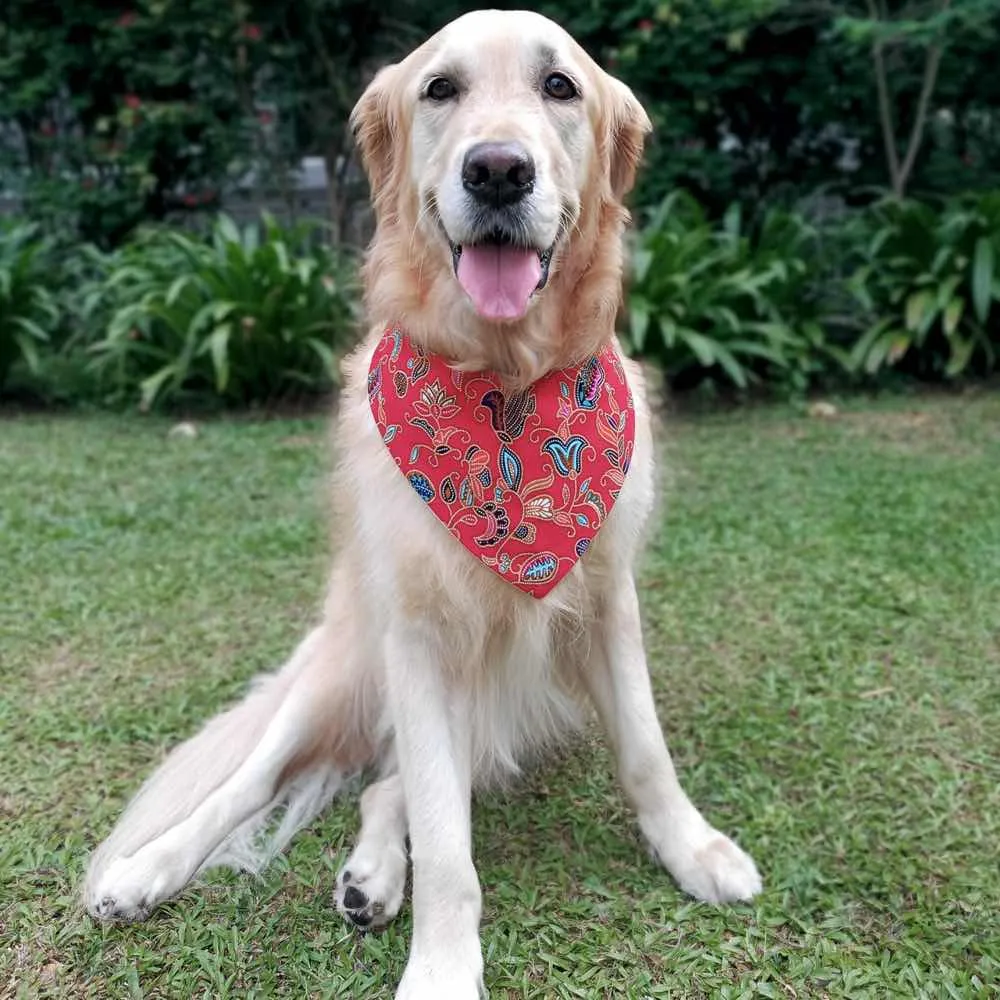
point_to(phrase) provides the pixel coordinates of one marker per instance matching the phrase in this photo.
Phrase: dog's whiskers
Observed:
(428, 208)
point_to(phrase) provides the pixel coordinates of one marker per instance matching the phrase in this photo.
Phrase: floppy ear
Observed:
(628, 126)
(376, 127)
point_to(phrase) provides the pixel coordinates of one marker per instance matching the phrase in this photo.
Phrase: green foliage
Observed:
(253, 316)
(111, 116)
(900, 286)
(927, 25)
(28, 310)
(138, 112)
(708, 69)
(929, 287)
(769, 99)
(716, 301)
(124, 114)
(893, 35)
(244, 316)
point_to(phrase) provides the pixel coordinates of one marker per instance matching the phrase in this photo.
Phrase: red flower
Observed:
(47, 129)
(190, 200)
(252, 32)
(126, 20)
(265, 117)
(132, 101)
(645, 25)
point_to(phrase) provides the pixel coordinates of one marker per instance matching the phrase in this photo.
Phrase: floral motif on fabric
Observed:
(523, 480)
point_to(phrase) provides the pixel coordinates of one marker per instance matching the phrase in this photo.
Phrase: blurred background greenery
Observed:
(181, 210)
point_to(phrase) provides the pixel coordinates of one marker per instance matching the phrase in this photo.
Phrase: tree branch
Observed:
(885, 107)
(931, 68)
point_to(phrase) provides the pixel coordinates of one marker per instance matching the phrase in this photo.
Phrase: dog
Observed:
(494, 475)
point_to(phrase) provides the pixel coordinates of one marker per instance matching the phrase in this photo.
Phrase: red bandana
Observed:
(525, 480)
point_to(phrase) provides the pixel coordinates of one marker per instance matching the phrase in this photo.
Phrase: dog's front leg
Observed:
(704, 862)
(432, 719)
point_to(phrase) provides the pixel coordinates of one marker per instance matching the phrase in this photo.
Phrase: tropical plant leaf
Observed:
(218, 343)
(983, 265)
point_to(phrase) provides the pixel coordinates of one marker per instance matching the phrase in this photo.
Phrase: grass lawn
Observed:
(822, 602)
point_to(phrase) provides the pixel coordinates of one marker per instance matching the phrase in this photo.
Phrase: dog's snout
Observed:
(498, 173)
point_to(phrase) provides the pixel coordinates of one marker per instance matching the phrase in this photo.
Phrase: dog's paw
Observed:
(713, 869)
(370, 886)
(443, 977)
(129, 888)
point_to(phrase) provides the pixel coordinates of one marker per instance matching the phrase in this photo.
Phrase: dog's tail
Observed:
(284, 750)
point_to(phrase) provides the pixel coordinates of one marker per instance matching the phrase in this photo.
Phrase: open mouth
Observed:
(499, 274)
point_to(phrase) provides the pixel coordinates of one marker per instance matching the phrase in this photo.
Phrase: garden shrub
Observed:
(901, 285)
(245, 316)
(928, 287)
(242, 317)
(725, 302)
(29, 313)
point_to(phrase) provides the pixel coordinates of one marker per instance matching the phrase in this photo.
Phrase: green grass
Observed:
(822, 601)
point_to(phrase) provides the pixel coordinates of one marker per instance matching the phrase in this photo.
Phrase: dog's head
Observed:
(497, 148)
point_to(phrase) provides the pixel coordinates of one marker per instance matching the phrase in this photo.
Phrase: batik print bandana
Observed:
(523, 480)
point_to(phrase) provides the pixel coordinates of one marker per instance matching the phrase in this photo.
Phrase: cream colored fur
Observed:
(426, 667)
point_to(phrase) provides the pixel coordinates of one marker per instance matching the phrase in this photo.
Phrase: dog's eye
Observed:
(441, 89)
(559, 87)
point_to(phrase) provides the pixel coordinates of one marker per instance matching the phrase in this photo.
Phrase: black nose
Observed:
(498, 173)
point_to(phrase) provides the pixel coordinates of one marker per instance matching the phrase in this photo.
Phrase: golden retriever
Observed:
(498, 155)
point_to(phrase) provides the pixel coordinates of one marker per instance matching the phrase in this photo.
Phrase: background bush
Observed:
(258, 315)
(28, 311)
(817, 206)
(116, 114)
(928, 286)
(722, 302)
(242, 315)
(900, 286)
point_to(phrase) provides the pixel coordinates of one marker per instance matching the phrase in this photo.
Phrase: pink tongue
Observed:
(499, 280)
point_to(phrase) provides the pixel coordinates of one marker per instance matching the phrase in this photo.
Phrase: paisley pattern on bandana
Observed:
(523, 480)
